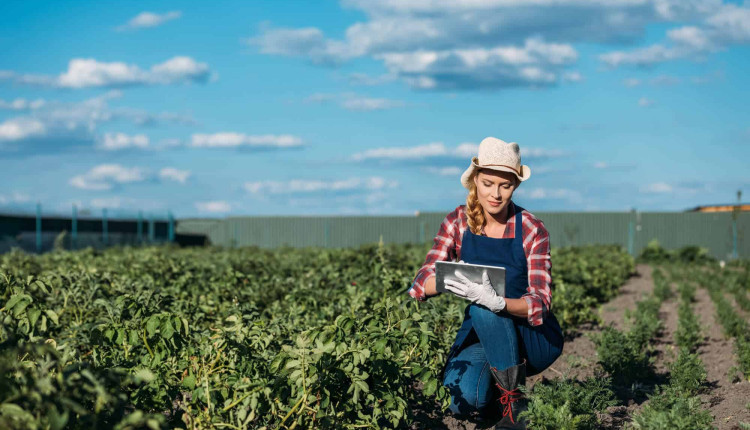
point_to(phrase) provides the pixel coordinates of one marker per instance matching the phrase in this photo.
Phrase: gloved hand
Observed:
(481, 294)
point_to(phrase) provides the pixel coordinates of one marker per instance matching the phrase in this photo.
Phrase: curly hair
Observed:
(474, 210)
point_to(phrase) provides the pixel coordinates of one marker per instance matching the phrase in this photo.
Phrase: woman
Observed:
(502, 339)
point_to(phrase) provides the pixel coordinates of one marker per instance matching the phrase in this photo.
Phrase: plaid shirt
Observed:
(447, 247)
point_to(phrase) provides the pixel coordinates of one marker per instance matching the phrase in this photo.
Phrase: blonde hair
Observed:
(474, 210)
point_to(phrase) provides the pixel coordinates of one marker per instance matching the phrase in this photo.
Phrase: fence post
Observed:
(326, 232)
(735, 214)
(105, 232)
(171, 227)
(422, 234)
(139, 228)
(74, 228)
(631, 233)
(151, 233)
(38, 227)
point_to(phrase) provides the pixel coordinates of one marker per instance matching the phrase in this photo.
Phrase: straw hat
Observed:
(495, 154)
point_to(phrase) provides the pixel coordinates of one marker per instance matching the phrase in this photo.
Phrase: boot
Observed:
(512, 401)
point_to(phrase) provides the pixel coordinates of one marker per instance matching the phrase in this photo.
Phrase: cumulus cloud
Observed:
(726, 25)
(645, 102)
(173, 174)
(90, 73)
(303, 186)
(234, 140)
(149, 19)
(118, 141)
(454, 45)
(66, 123)
(15, 129)
(106, 176)
(214, 206)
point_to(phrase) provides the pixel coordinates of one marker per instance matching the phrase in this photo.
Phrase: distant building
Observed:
(745, 207)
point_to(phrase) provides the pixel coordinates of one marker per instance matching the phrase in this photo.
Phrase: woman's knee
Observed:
(482, 315)
(471, 393)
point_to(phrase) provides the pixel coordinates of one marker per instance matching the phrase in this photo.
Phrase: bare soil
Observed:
(728, 392)
(725, 397)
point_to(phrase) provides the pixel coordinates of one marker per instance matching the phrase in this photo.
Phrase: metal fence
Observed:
(718, 232)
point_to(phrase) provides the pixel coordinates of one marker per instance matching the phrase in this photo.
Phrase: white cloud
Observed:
(726, 25)
(454, 44)
(66, 123)
(645, 102)
(438, 149)
(403, 153)
(536, 63)
(303, 186)
(106, 176)
(631, 82)
(233, 140)
(572, 77)
(118, 141)
(601, 165)
(21, 104)
(172, 174)
(90, 73)
(15, 129)
(370, 104)
(549, 193)
(309, 42)
(657, 188)
(215, 206)
(354, 102)
(446, 171)
(149, 19)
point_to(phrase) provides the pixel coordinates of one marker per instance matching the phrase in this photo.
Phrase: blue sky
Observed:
(368, 106)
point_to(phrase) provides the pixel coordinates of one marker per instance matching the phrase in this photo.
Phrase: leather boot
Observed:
(512, 401)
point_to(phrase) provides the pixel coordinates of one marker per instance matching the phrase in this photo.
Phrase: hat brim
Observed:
(466, 176)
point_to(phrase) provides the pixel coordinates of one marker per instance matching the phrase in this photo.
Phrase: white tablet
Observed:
(447, 270)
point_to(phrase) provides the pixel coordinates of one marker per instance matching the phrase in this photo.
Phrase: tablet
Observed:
(447, 270)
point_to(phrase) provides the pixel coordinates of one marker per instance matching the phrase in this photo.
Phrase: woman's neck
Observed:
(499, 219)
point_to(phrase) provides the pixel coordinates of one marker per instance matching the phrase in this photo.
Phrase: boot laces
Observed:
(507, 400)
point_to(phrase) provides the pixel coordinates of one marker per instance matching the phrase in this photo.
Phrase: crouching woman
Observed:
(502, 339)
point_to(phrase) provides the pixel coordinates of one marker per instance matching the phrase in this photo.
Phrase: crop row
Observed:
(676, 404)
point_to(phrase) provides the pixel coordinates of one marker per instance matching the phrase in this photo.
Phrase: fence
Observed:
(38, 233)
(632, 230)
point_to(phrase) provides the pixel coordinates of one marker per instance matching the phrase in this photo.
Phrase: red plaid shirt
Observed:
(447, 247)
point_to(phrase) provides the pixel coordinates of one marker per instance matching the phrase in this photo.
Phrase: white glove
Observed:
(481, 294)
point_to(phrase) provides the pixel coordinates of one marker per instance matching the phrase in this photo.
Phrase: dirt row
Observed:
(726, 395)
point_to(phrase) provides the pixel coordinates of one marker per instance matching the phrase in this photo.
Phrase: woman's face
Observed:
(494, 190)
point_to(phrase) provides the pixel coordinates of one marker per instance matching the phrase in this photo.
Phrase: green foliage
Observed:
(238, 338)
(688, 333)
(655, 254)
(568, 403)
(676, 413)
(626, 355)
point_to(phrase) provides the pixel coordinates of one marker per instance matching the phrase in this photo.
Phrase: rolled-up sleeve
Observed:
(538, 297)
(443, 249)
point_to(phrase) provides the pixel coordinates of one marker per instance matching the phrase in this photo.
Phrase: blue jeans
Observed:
(494, 341)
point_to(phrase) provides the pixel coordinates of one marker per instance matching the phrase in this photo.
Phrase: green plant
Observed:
(568, 403)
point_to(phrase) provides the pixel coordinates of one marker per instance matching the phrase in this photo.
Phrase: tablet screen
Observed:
(447, 270)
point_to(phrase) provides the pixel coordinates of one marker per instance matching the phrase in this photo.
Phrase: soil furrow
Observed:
(726, 398)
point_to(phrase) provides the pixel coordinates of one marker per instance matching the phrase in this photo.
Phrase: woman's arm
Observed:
(517, 307)
(539, 296)
(443, 249)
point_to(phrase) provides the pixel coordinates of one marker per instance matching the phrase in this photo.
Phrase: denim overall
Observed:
(499, 340)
